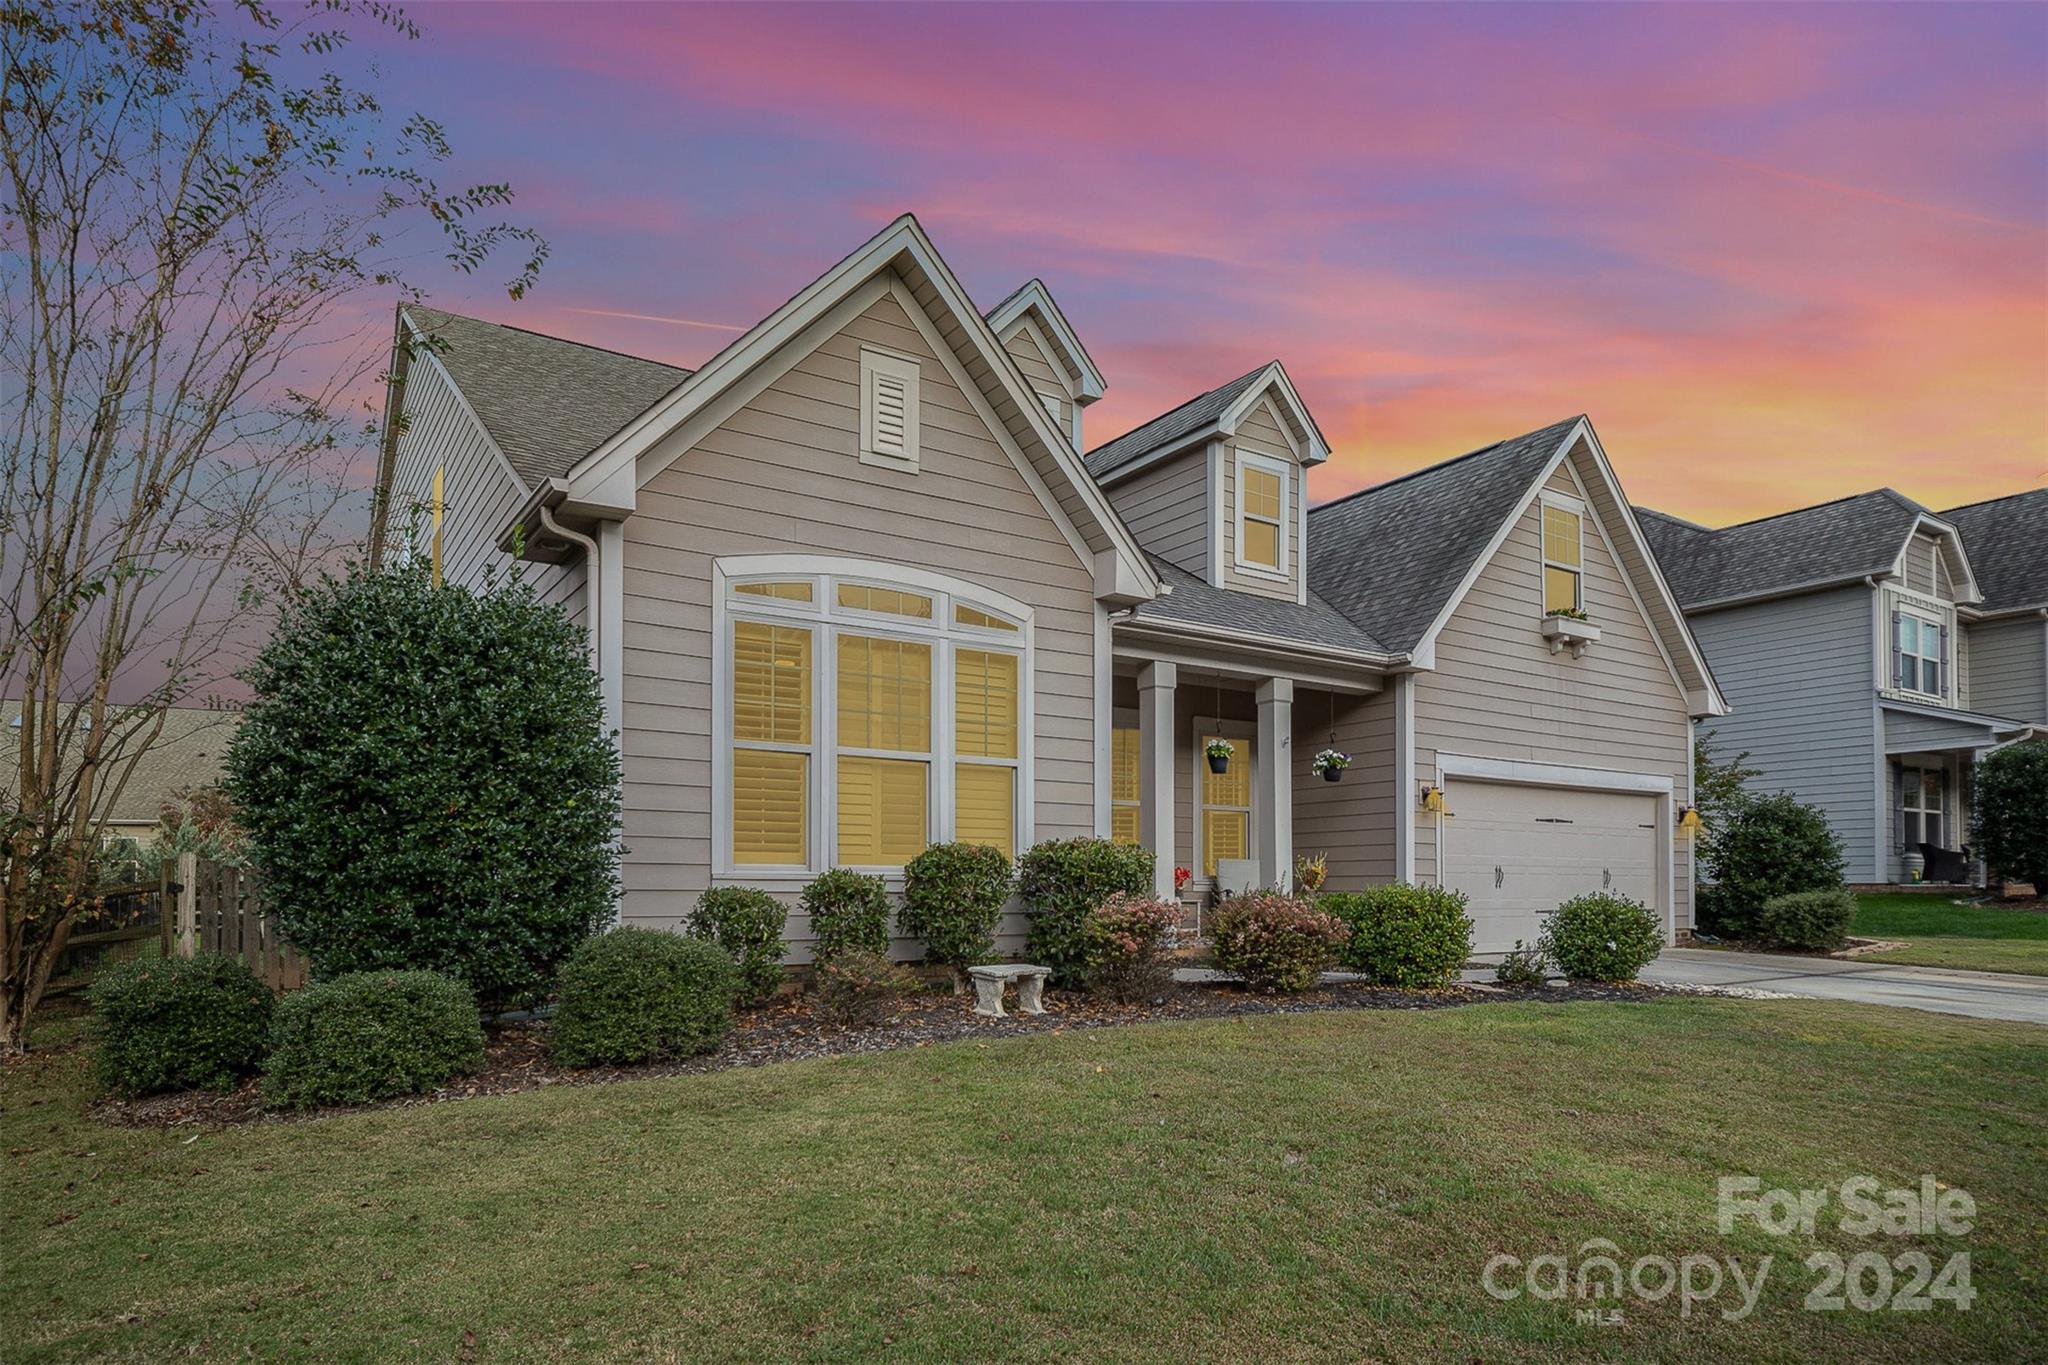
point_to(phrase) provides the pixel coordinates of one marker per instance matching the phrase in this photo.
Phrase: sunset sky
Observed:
(1779, 254)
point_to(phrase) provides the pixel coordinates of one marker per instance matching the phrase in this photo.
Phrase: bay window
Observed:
(865, 712)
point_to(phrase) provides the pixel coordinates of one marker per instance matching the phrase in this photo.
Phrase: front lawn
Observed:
(1312, 1186)
(1939, 933)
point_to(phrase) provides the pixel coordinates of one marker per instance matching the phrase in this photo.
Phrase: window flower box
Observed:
(1569, 631)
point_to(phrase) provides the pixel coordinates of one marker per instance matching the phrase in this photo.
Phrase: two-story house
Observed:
(1843, 635)
(853, 587)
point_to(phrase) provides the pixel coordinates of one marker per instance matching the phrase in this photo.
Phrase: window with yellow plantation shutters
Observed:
(985, 728)
(1123, 786)
(885, 709)
(771, 730)
(1563, 559)
(1261, 514)
(1226, 800)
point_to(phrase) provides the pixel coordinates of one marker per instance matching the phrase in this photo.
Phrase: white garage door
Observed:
(1518, 852)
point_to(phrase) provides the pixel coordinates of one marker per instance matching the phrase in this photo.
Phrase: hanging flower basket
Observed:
(1331, 763)
(1219, 751)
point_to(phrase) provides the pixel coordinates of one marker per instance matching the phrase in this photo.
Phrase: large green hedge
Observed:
(2009, 818)
(427, 782)
(1767, 846)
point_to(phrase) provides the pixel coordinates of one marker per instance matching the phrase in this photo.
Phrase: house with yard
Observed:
(189, 751)
(1872, 650)
(858, 584)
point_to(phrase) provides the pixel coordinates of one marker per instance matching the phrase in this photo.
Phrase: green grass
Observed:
(1318, 1187)
(1938, 933)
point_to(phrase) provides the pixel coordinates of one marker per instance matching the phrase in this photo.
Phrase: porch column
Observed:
(1273, 777)
(1155, 770)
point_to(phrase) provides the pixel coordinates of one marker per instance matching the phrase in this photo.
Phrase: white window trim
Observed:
(1233, 730)
(1938, 621)
(875, 362)
(1564, 503)
(825, 620)
(1249, 460)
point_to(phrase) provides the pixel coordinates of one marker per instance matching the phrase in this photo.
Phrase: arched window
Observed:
(864, 711)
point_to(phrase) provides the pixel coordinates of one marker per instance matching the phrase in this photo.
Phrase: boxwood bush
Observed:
(1061, 881)
(1402, 935)
(2009, 813)
(1128, 940)
(1809, 921)
(642, 995)
(1602, 938)
(1276, 942)
(953, 898)
(747, 922)
(1766, 846)
(368, 1036)
(177, 1023)
(849, 912)
(427, 782)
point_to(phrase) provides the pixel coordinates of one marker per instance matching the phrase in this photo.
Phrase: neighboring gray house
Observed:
(1846, 637)
(2003, 664)
(852, 589)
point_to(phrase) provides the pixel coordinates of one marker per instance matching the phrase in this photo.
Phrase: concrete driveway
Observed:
(1982, 995)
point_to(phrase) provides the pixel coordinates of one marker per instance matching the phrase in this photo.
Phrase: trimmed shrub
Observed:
(1402, 935)
(1523, 967)
(426, 780)
(858, 988)
(1766, 846)
(1602, 938)
(849, 911)
(2009, 814)
(1061, 882)
(370, 1036)
(747, 922)
(1810, 921)
(642, 995)
(953, 898)
(1127, 939)
(178, 1023)
(1276, 942)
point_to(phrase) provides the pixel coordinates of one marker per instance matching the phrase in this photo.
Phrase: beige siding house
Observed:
(852, 587)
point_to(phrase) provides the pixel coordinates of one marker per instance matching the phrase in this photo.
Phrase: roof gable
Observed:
(1399, 558)
(900, 259)
(1215, 413)
(2005, 538)
(1033, 301)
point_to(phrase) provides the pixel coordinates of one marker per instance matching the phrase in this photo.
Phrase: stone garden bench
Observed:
(989, 982)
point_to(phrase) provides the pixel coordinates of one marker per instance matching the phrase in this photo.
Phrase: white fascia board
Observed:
(1035, 298)
(1274, 380)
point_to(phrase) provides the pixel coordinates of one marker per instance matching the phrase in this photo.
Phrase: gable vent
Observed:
(888, 410)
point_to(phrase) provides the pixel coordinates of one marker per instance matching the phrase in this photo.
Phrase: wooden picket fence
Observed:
(225, 916)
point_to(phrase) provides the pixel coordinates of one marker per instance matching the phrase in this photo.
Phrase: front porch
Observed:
(1243, 827)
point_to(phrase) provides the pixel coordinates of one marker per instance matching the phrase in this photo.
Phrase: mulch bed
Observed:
(786, 1030)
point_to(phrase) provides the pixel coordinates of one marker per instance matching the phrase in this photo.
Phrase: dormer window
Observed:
(1261, 514)
(1563, 558)
(1920, 653)
(888, 410)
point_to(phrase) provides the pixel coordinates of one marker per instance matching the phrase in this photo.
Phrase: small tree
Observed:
(2010, 819)
(426, 782)
(1768, 846)
(1716, 788)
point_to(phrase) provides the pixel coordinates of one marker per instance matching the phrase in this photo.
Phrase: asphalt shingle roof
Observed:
(546, 402)
(1193, 602)
(1835, 541)
(1390, 557)
(1169, 426)
(2007, 542)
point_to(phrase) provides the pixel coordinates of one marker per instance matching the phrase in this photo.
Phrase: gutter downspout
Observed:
(590, 601)
(602, 633)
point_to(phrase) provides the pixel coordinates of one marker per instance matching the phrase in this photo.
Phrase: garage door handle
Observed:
(1498, 877)
(1606, 878)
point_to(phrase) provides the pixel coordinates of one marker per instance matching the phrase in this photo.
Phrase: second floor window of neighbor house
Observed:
(1261, 516)
(1921, 647)
(1563, 559)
